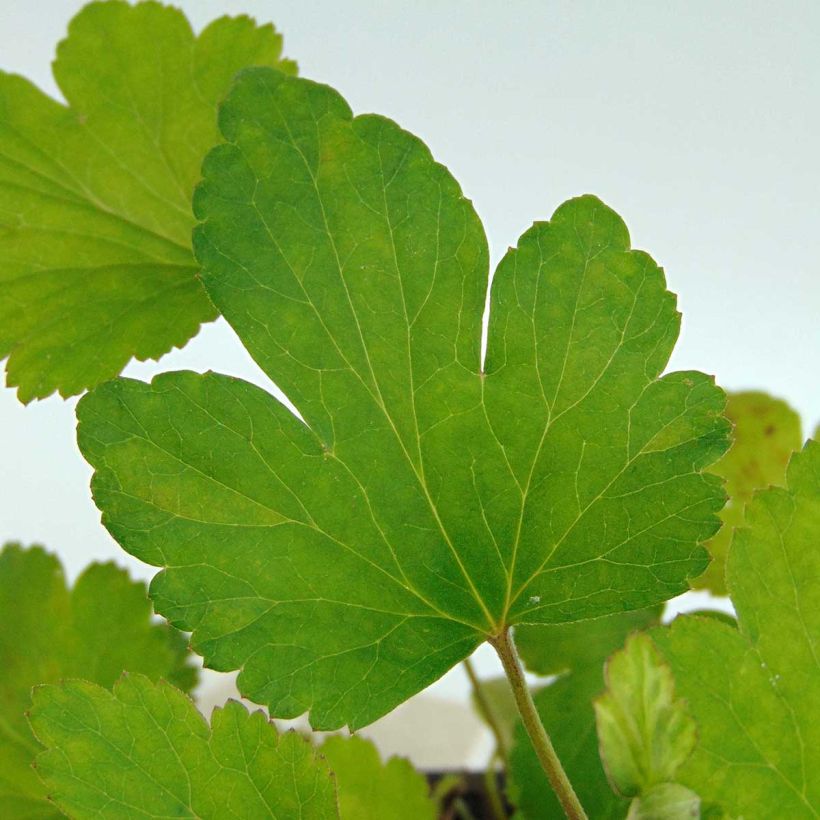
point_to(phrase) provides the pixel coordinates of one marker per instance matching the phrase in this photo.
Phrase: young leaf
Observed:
(145, 751)
(95, 197)
(371, 790)
(577, 653)
(47, 632)
(346, 562)
(767, 431)
(754, 690)
(645, 732)
(666, 801)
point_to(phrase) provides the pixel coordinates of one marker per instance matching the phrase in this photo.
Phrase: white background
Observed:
(699, 122)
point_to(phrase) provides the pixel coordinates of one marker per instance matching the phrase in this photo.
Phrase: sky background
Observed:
(698, 122)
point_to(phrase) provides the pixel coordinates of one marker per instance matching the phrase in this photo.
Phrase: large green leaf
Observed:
(767, 431)
(371, 790)
(346, 562)
(755, 690)
(145, 751)
(95, 197)
(48, 632)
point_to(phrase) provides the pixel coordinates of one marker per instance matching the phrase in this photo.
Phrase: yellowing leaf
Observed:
(767, 432)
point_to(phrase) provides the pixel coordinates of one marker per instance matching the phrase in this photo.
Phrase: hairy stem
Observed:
(504, 646)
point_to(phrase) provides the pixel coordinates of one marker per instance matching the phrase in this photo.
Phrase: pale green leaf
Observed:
(644, 730)
(145, 751)
(666, 801)
(755, 690)
(766, 432)
(95, 196)
(371, 790)
(346, 562)
(47, 632)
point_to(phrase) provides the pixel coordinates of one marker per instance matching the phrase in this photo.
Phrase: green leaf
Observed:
(48, 632)
(371, 790)
(754, 690)
(645, 732)
(95, 197)
(145, 751)
(347, 562)
(565, 707)
(666, 801)
(554, 649)
(767, 431)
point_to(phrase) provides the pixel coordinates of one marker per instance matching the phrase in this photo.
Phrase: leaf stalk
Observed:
(545, 751)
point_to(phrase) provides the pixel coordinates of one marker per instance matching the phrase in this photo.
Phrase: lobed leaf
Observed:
(144, 751)
(644, 731)
(95, 196)
(97, 629)
(345, 562)
(754, 690)
(766, 432)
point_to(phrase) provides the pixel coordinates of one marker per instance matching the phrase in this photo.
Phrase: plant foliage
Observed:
(345, 561)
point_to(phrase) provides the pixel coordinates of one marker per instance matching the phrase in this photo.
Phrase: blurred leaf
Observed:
(371, 790)
(767, 431)
(556, 648)
(666, 801)
(47, 632)
(500, 700)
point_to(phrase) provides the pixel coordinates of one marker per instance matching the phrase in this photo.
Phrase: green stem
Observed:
(486, 710)
(493, 792)
(504, 646)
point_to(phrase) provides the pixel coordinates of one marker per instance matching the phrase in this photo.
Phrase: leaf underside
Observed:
(95, 196)
(145, 751)
(97, 629)
(346, 562)
(755, 690)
